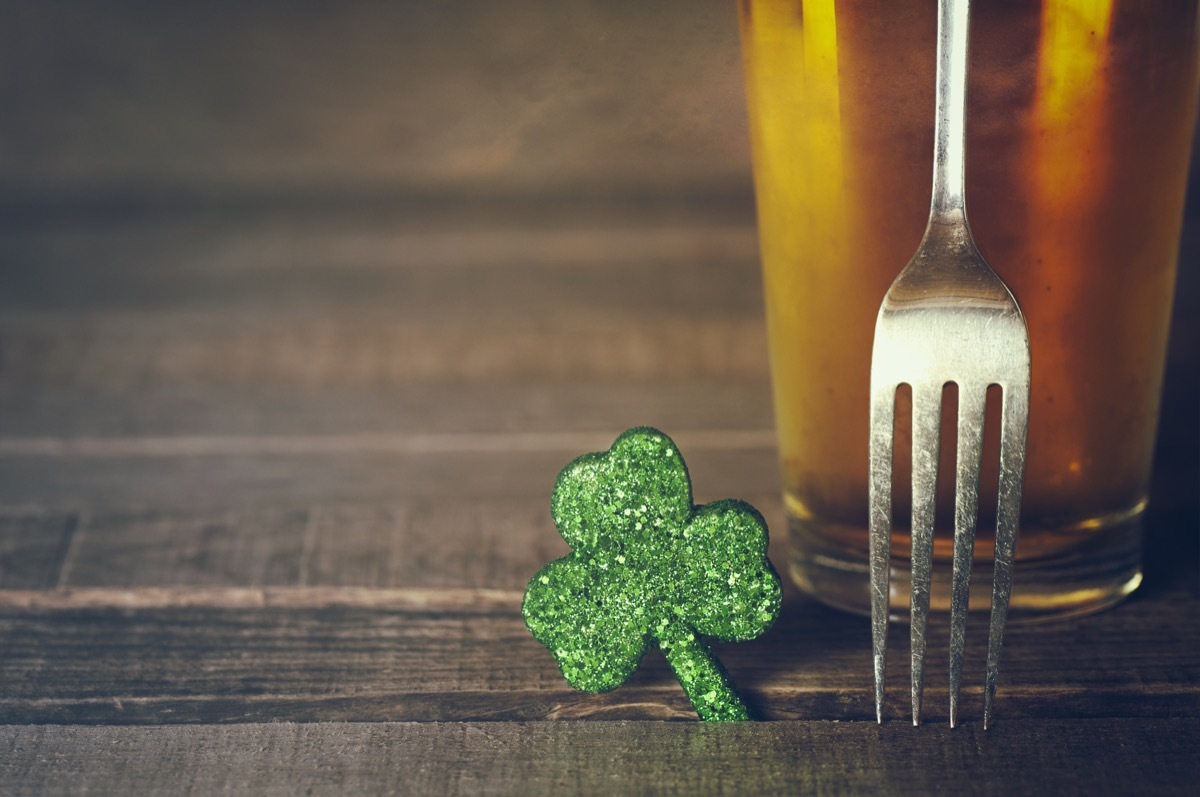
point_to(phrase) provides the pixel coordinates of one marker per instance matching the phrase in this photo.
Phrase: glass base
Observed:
(1060, 572)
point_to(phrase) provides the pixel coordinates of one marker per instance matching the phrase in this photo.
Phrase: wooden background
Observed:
(302, 307)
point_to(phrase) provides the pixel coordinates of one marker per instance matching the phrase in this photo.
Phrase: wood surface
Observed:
(224, 572)
(279, 424)
(1110, 756)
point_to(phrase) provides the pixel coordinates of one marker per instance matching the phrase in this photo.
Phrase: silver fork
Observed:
(948, 318)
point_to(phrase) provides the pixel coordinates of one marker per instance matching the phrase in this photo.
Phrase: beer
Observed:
(1079, 129)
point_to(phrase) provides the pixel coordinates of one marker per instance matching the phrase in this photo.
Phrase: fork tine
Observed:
(883, 411)
(972, 401)
(926, 426)
(1012, 468)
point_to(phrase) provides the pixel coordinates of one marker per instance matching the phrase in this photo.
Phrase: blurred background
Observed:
(294, 193)
(455, 97)
(262, 218)
(303, 306)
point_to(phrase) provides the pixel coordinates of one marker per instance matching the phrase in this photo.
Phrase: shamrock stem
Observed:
(704, 680)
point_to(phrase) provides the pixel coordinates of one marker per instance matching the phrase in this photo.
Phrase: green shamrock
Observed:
(649, 567)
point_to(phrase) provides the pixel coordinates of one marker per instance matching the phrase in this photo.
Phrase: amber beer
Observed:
(1080, 124)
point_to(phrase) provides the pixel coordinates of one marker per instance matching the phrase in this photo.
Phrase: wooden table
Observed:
(274, 472)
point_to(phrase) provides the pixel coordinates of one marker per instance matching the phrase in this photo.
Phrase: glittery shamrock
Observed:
(648, 567)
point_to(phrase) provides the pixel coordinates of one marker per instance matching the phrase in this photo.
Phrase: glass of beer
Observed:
(1079, 125)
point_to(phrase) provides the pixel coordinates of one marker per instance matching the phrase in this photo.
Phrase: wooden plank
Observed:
(220, 547)
(205, 657)
(339, 254)
(452, 543)
(370, 308)
(496, 544)
(270, 278)
(65, 414)
(114, 352)
(267, 479)
(1078, 757)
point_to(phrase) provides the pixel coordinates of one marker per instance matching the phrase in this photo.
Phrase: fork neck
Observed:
(950, 122)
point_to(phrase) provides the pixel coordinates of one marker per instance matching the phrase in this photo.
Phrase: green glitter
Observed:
(648, 567)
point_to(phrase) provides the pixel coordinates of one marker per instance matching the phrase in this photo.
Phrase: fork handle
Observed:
(950, 121)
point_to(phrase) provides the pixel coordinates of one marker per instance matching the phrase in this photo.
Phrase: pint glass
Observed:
(1079, 126)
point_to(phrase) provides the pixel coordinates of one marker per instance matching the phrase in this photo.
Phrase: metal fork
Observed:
(948, 318)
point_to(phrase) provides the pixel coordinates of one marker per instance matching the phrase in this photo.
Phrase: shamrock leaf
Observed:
(649, 568)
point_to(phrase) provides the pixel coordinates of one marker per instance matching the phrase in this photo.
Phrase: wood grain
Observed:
(65, 414)
(293, 342)
(420, 544)
(362, 306)
(264, 480)
(1078, 757)
(212, 655)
